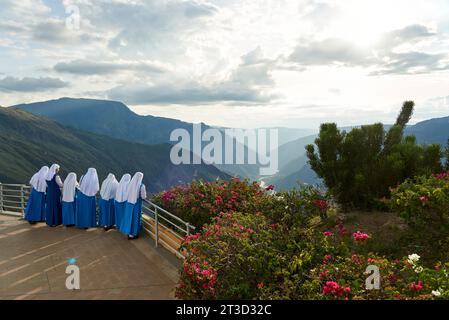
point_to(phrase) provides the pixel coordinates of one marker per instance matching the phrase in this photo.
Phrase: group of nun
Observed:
(70, 203)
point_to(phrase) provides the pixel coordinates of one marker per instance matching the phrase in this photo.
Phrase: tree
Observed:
(360, 166)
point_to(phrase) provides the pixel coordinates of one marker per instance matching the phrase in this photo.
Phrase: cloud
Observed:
(249, 83)
(383, 57)
(86, 67)
(413, 63)
(31, 84)
(328, 51)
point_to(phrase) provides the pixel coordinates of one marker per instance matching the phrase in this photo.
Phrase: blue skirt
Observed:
(119, 209)
(130, 224)
(68, 213)
(86, 211)
(107, 213)
(35, 209)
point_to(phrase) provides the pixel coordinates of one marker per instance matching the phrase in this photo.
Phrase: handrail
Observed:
(166, 228)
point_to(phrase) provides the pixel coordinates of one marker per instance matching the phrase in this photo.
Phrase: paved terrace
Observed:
(33, 260)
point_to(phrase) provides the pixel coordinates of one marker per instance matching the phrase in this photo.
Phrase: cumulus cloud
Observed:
(250, 82)
(86, 67)
(28, 84)
(383, 56)
(328, 51)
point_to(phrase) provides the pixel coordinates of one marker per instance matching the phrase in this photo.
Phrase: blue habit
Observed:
(35, 209)
(53, 210)
(68, 213)
(130, 223)
(107, 213)
(119, 210)
(86, 211)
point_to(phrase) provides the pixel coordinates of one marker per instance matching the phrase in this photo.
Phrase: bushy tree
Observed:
(360, 166)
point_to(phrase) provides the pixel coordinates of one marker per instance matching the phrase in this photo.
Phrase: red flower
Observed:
(323, 205)
(324, 273)
(333, 287)
(360, 236)
(260, 285)
(328, 234)
(270, 187)
(416, 286)
(327, 258)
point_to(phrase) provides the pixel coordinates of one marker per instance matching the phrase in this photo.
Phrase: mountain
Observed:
(27, 142)
(116, 120)
(293, 166)
(108, 118)
(431, 131)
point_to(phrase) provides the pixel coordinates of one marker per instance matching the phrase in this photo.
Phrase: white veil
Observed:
(51, 173)
(38, 180)
(109, 187)
(134, 188)
(121, 193)
(69, 188)
(89, 184)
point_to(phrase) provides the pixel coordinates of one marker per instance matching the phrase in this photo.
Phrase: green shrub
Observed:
(359, 166)
(423, 201)
(200, 202)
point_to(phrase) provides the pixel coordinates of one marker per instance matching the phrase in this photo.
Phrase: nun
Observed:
(107, 195)
(53, 210)
(86, 210)
(130, 223)
(120, 198)
(68, 200)
(35, 209)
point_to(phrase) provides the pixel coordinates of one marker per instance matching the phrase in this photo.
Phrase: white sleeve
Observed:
(59, 181)
(143, 192)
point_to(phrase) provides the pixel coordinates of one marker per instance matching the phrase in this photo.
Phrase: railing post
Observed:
(22, 200)
(1, 197)
(156, 224)
(188, 228)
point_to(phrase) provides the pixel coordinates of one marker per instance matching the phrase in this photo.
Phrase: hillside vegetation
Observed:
(28, 142)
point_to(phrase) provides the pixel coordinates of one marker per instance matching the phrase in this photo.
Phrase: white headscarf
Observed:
(89, 184)
(109, 187)
(120, 194)
(51, 173)
(69, 188)
(38, 181)
(134, 188)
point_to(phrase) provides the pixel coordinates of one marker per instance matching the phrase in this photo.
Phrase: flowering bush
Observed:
(234, 258)
(344, 277)
(200, 201)
(423, 201)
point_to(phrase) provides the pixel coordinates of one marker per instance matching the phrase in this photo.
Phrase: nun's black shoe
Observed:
(107, 228)
(133, 238)
(32, 222)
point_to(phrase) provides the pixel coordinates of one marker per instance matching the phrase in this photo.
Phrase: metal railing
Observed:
(164, 227)
(13, 199)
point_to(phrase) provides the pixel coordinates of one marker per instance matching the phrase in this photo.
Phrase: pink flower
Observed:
(328, 234)
(323, 205)
(333, 287)
(423, 199)
(260, 285)
(270, 187)
(324, 273)
(416, 286)
(360, 236)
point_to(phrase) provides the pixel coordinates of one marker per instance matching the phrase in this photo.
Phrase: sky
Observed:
(245, 63)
